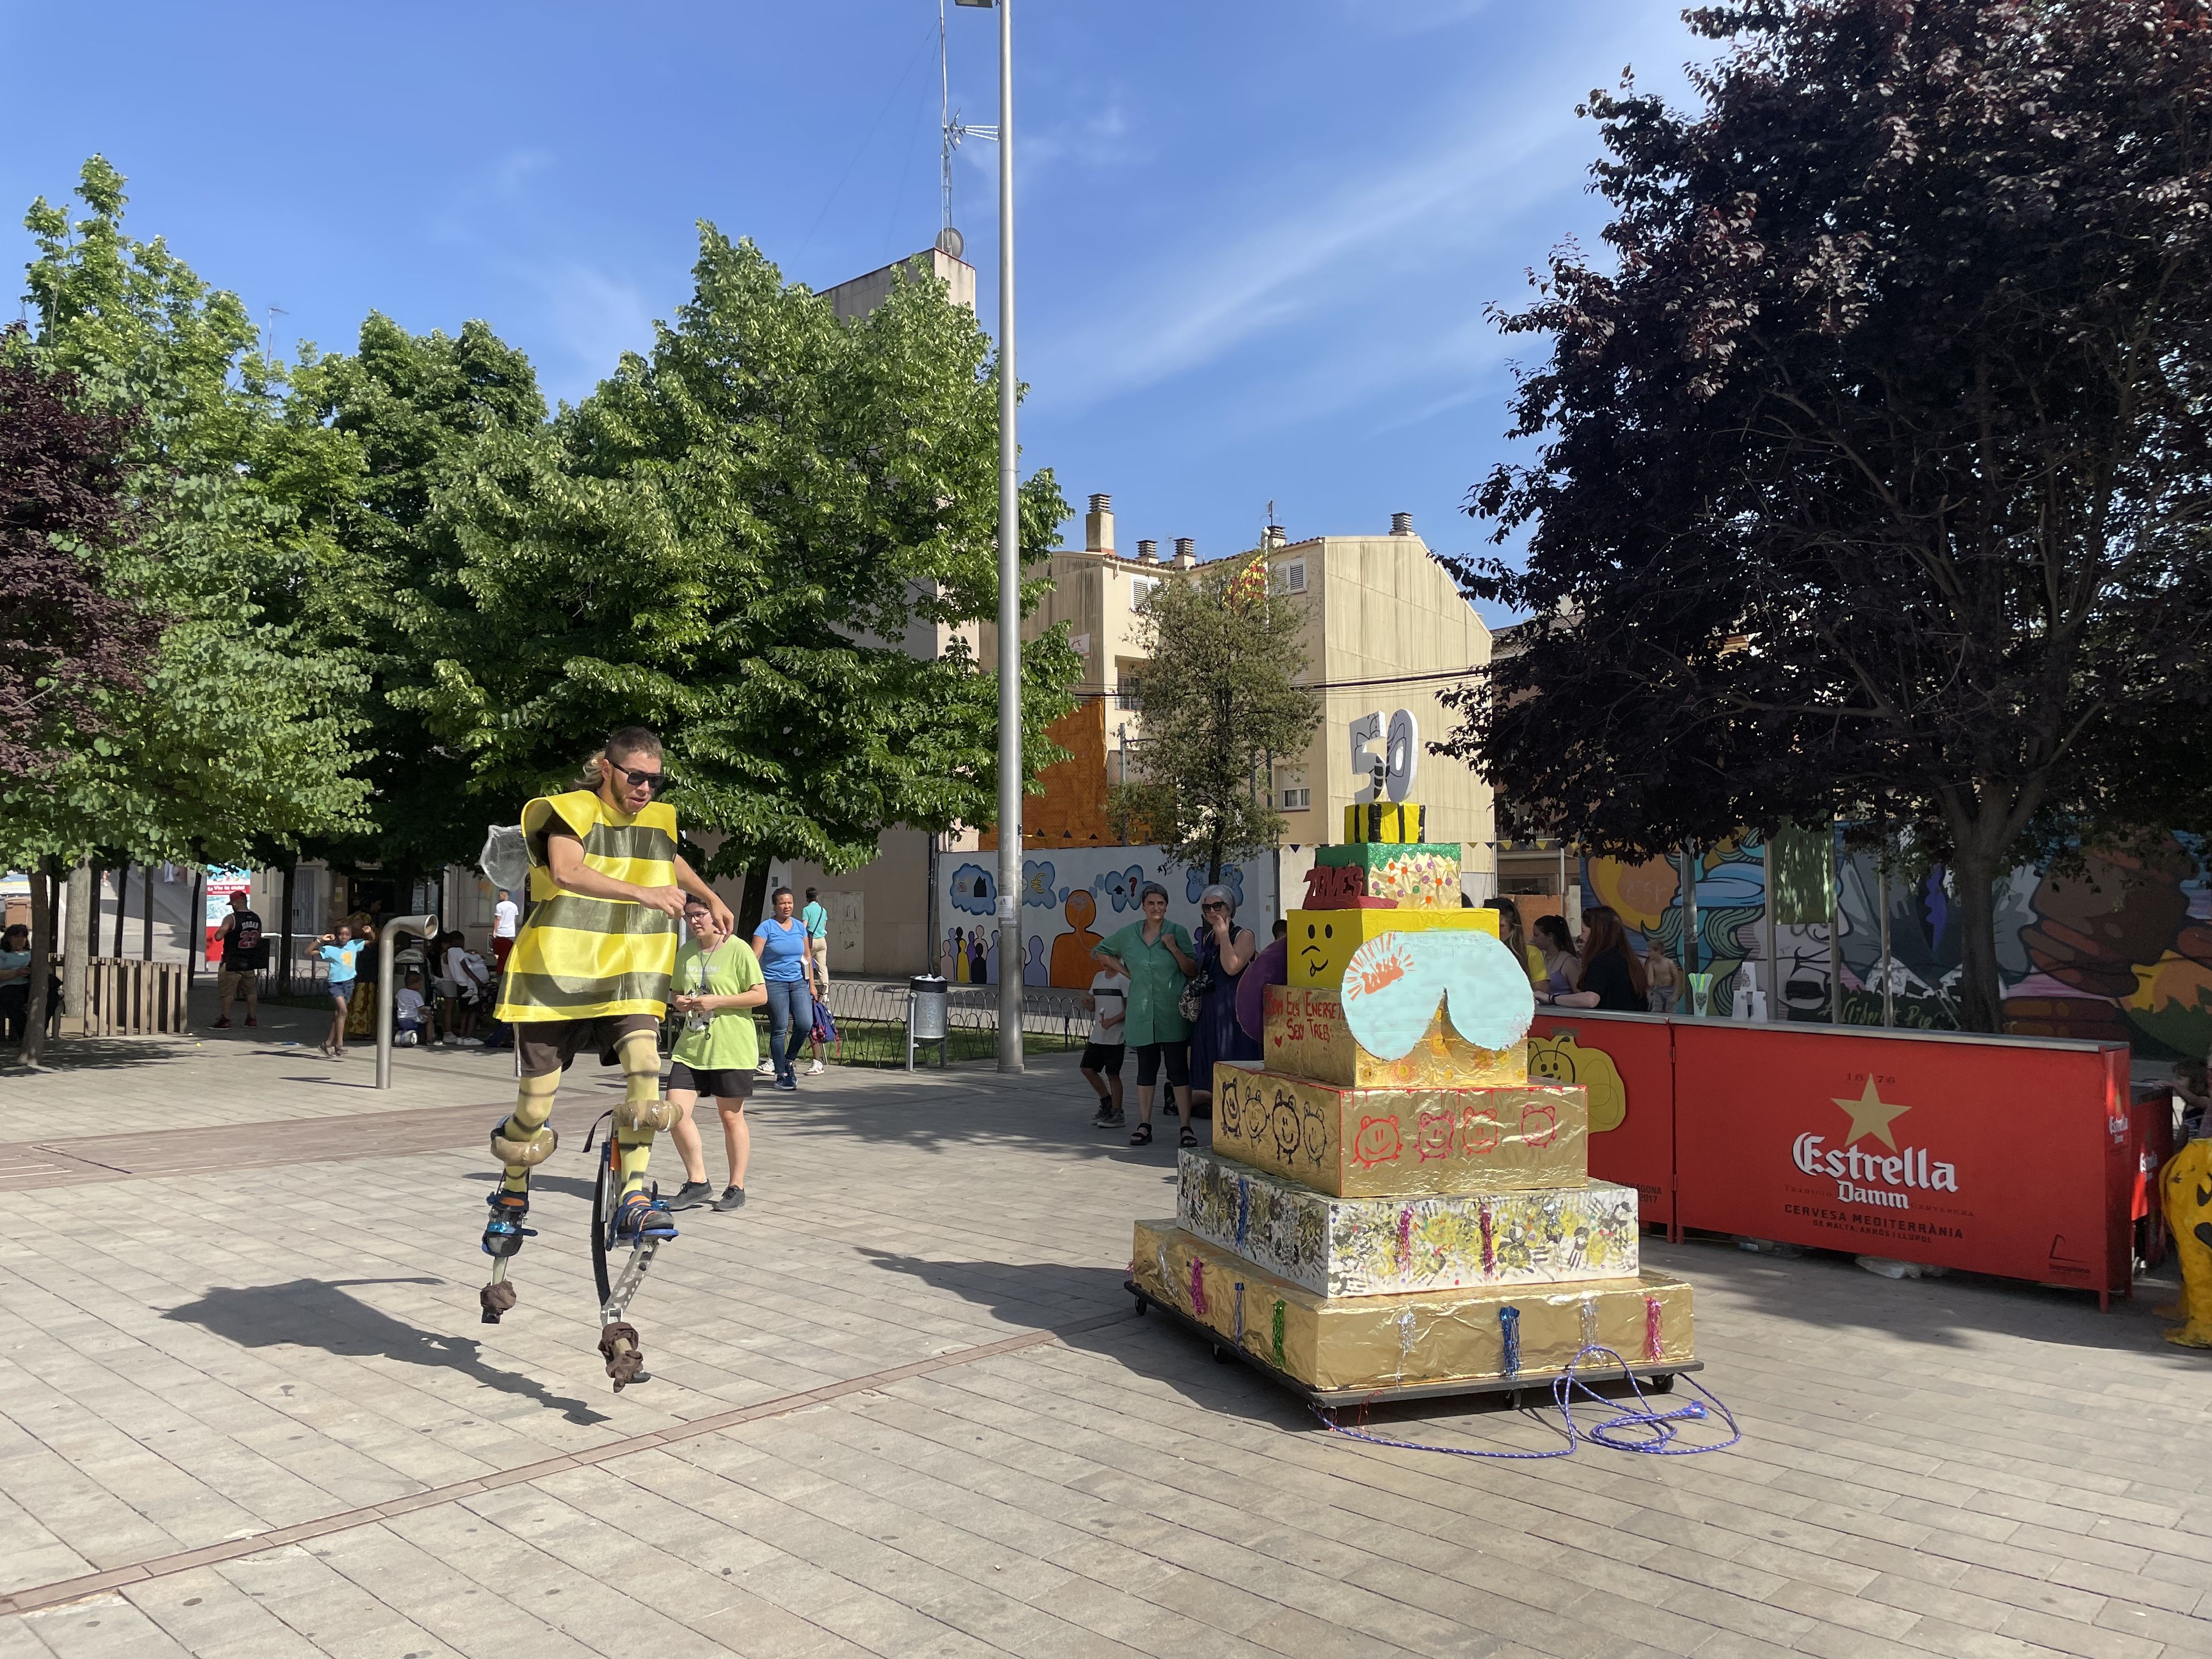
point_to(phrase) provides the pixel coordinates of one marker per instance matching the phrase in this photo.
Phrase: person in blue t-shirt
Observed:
(786, 956)
(342, 951)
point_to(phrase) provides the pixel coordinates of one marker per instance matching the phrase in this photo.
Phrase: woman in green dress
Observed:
(1156, 956)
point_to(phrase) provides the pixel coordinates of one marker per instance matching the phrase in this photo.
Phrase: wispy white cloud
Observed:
(595, 317)
(1214, 299)
(1365, 281)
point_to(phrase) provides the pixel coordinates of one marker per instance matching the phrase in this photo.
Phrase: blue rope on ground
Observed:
(1647, 1431)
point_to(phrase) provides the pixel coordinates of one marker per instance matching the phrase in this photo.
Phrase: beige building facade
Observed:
(1387, 629)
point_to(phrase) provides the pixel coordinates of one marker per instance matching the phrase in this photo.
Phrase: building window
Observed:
(1291, 792)
(1291, 576)
(1140, 589)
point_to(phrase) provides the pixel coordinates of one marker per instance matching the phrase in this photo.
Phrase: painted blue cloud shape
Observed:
(974, 890)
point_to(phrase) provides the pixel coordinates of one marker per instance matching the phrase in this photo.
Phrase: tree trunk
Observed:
(1981, 991)
(752, 903)
(146, 918)
(42, 948)
(81, 924)
(284, 963)
(196, 939)
(122, 902)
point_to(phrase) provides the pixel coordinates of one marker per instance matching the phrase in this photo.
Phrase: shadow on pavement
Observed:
(313, 1313)
(99, 1053)
(1054, 1296)
(1828, 1290)
(956, 1109)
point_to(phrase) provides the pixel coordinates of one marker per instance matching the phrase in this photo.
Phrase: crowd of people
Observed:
(1174, 1000)
(1602, 970)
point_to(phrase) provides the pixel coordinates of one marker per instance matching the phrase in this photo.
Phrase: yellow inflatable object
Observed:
(2185, 1187)
(1560, 1060)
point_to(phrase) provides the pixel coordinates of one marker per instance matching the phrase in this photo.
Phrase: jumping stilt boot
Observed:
(503, 1236)
(504, 1232)
(640, 1217)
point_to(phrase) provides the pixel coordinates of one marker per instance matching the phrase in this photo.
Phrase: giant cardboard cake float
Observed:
(1390, 1205)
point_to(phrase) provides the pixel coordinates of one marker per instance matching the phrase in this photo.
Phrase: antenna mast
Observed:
(955, 130)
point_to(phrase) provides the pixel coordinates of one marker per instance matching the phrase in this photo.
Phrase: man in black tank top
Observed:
(245, 954)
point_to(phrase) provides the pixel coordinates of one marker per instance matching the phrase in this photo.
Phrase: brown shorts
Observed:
(543, 1047)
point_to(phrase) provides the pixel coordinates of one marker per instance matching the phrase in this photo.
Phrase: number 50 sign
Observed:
(1391, 772)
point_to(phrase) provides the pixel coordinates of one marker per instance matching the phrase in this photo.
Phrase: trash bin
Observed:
(927, 1001)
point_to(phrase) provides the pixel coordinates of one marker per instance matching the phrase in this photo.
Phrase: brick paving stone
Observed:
(1948, 1467)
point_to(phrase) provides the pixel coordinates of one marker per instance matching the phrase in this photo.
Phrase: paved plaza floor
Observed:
(902, 1406)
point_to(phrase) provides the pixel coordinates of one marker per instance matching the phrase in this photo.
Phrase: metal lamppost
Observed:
(1012, 956)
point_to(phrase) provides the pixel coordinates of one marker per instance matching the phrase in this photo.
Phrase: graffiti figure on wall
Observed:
(2122, 952)
(1071, 965)
(1071, 900)
(1731, 896)
(2119, 952)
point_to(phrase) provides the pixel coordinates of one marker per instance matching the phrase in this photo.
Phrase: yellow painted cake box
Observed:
(1374, 1143)
(1305, 1035)
(1344, 1343)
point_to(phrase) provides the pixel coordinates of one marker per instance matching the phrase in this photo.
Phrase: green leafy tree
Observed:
(1876, 478)
(407, 411)
(734, 539)
(1218, 698)
(236, 733)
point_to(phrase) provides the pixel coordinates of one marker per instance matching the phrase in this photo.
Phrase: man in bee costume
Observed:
(589, 972)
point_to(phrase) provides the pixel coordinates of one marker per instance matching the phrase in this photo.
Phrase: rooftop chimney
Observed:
(1098, 524)
(1272, 538)
(1185, 552)
(1401, 524)
(1148, 552)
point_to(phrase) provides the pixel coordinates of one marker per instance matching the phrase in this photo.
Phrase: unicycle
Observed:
(615, 1274)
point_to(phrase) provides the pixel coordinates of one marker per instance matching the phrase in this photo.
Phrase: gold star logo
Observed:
(1871, 1115)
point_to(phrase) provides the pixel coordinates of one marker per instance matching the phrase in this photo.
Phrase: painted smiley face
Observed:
(1319, 949)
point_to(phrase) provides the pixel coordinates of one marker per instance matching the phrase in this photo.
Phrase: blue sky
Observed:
(1256, 237)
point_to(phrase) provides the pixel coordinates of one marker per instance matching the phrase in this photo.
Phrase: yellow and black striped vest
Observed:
(583, 959)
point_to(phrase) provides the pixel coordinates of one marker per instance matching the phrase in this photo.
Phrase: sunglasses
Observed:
(655, 781)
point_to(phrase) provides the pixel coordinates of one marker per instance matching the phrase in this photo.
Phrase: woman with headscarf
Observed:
(1224, 952)
(1155, 956)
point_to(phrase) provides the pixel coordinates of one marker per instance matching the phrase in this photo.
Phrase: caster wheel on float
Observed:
(1662, 1383)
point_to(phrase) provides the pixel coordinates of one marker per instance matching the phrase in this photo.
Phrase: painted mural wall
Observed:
(1072, 899)
(2123, 953)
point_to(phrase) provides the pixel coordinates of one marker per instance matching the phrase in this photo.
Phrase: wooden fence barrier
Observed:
(127, 998)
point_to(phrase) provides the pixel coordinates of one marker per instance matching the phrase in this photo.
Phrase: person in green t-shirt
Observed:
(1156, 955)
(717, 984)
